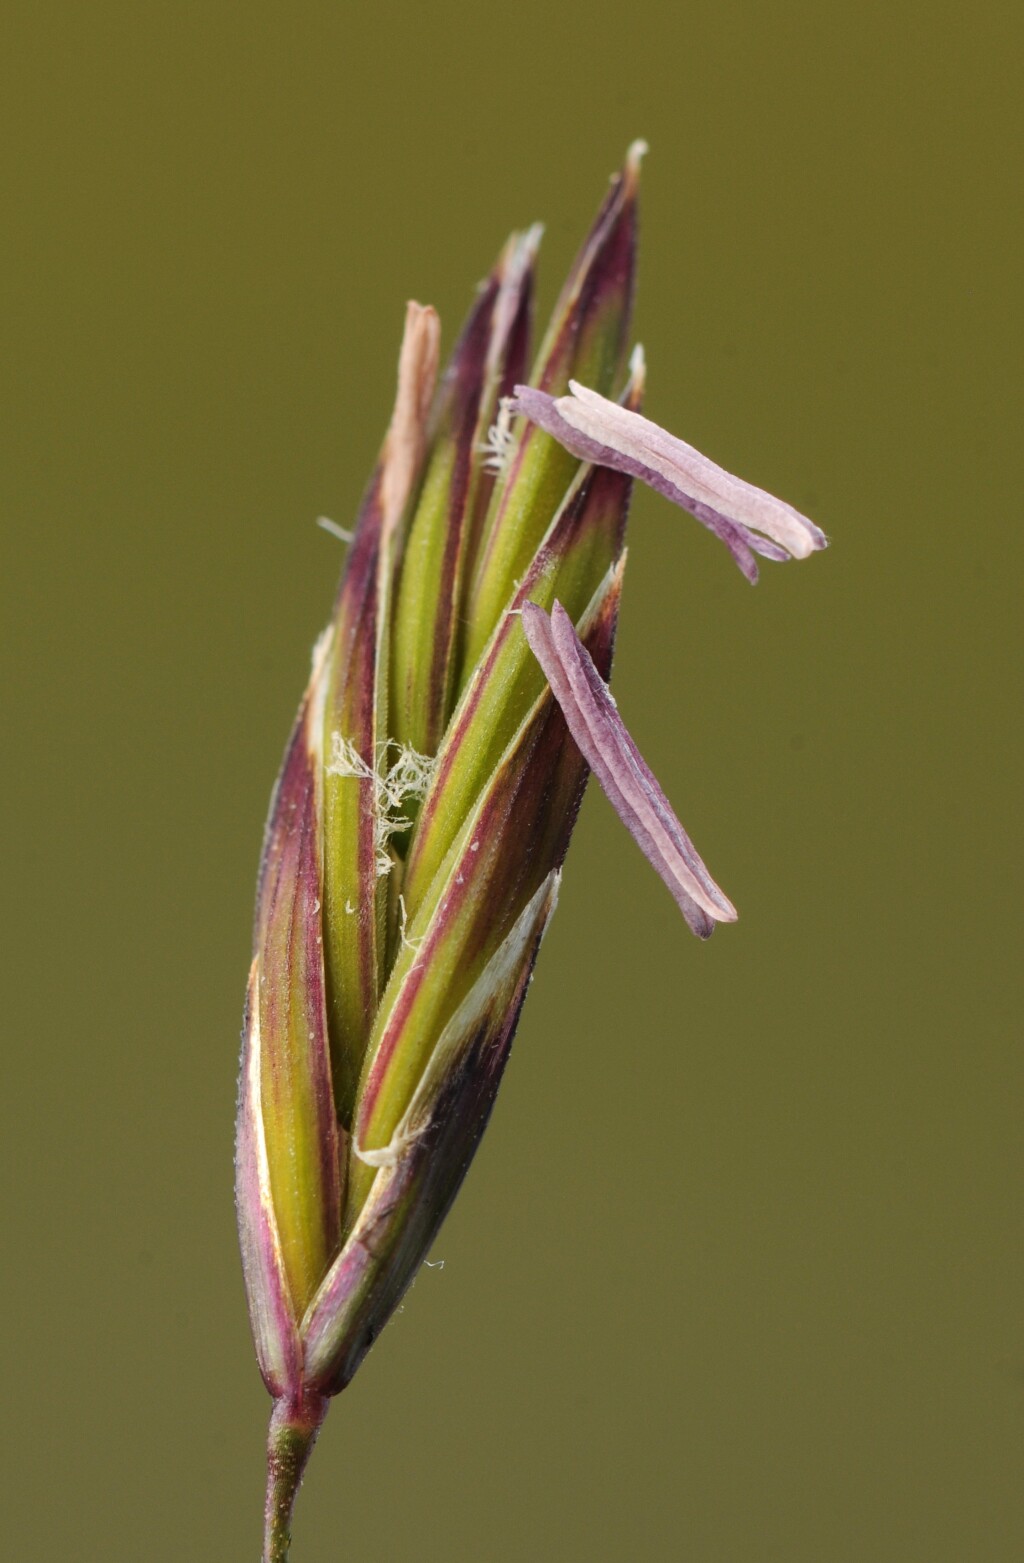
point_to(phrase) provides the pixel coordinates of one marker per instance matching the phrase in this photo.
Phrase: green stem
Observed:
(294, 1425)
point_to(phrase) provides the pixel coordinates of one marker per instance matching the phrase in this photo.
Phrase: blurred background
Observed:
(737, 1276)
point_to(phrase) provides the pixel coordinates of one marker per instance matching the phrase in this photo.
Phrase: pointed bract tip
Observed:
(417, 377)
(518, 254)
(630, 176)
(635, 154)
(638, 369)
(421, 340)
(529, 242)
(517, 262)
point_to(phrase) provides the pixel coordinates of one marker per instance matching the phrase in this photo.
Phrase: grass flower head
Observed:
(457, 702)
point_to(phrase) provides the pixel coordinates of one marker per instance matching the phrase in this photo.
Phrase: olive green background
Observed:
(738, 1276)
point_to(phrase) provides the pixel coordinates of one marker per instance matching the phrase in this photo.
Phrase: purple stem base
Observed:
(294, 1425)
